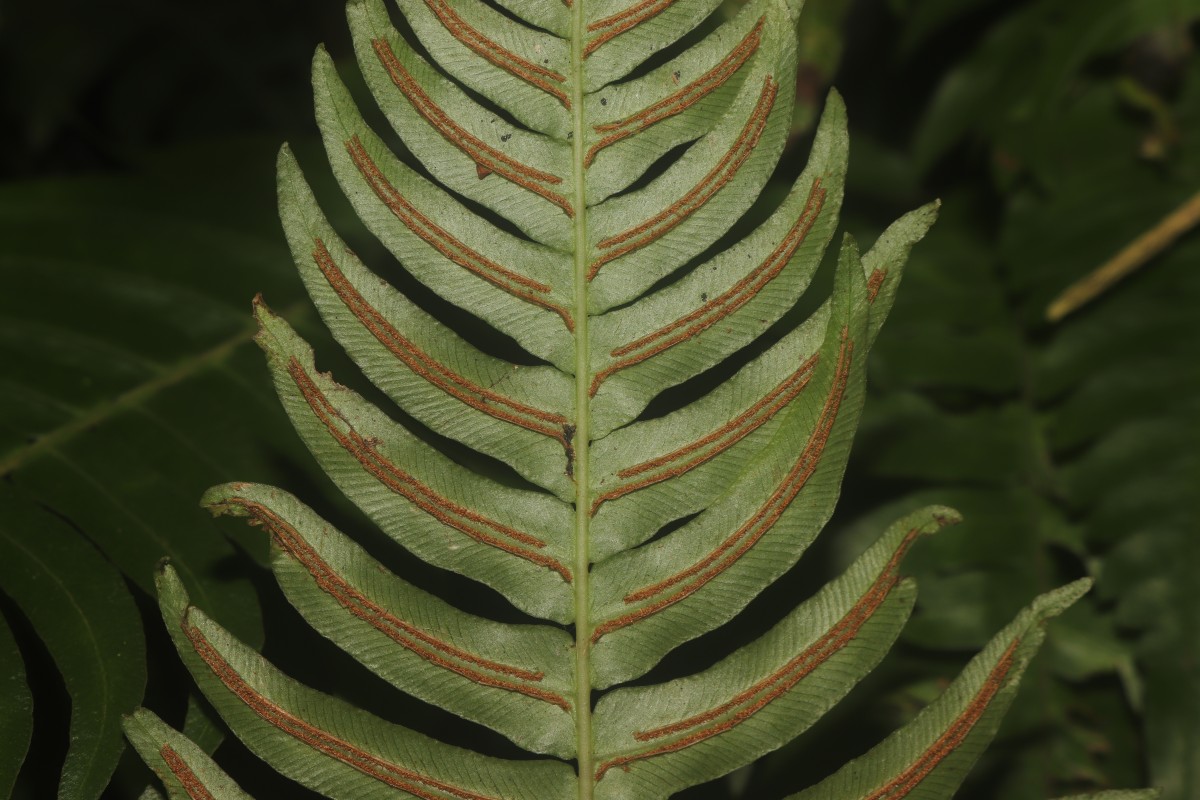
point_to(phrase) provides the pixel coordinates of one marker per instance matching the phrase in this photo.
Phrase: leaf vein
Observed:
(440, 508)
(482, 399)
(720, 307)
(733, 548)
(394, 775)
(403, 633)
(681, 100)
(673, 215)
(531, 73)
(487, 158)
(439, 239)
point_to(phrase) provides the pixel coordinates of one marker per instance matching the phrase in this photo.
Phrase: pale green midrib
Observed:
(583, 631)
(132, 398)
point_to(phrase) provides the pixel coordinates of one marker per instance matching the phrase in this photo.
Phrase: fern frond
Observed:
(591, 205)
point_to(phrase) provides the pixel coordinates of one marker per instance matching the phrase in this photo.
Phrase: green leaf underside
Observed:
(187, 771)
(929, 757)
(83, 612)
(756, 463)
(656, 739)
(516, 679)
(327, 744)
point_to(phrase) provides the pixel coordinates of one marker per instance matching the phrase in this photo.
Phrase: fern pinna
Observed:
(536, 124)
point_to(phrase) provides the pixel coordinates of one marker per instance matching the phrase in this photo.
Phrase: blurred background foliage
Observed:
(137, 220)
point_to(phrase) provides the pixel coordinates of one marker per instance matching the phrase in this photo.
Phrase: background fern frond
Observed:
(1071, 162)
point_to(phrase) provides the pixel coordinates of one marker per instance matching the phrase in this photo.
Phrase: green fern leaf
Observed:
(16, 710)
(930, 756)
(531, 126)
(185, 769)
(89, 624)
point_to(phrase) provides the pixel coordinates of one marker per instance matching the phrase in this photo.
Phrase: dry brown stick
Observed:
(1135, 254)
